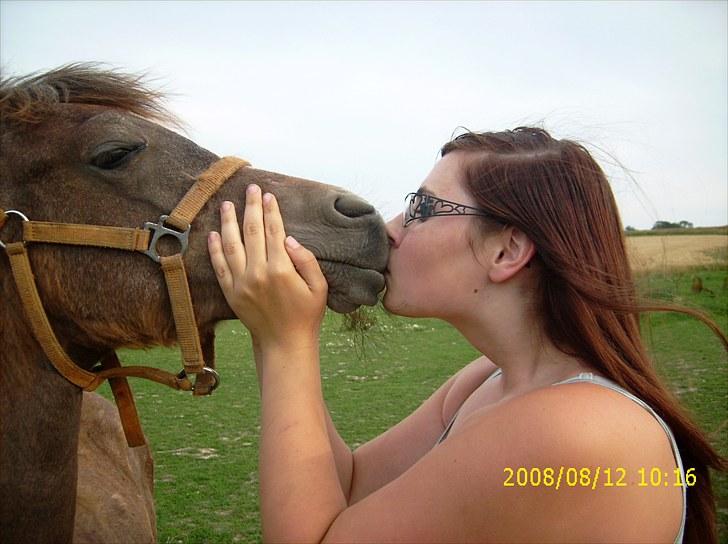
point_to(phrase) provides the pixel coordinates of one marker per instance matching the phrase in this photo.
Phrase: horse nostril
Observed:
(353, 206)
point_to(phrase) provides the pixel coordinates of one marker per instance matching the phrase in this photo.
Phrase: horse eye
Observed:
(108, 157)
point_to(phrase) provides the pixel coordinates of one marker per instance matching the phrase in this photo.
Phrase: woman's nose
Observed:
(394, 230)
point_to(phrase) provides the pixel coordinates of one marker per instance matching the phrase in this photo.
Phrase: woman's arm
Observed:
(276, 288)
(384, 458)
(342, 453)
(389, 455)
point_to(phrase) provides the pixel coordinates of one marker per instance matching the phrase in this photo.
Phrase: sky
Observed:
(363, 94)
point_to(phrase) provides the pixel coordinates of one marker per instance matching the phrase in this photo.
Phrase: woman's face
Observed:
(432, 269)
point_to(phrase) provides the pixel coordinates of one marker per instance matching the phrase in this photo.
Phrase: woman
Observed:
(518, 244)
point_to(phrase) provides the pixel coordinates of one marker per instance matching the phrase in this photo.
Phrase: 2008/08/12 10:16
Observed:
(590, 477)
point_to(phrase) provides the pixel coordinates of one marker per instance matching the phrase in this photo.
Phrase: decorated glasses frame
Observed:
(420, 206)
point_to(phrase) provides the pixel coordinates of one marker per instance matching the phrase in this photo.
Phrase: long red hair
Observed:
(556, 193)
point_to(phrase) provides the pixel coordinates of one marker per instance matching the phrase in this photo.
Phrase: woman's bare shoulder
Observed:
(480, 484)
(599, 438)
(585, 415)
(608, 413)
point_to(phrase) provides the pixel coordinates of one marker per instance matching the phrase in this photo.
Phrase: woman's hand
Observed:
(273, 284)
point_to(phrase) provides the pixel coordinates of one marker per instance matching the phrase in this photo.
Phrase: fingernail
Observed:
(292, 242)
(211, 236)
(253, 188)
(227, 206)
(267, 198)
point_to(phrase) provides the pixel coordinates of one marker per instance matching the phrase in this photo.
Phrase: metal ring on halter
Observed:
(19, 214)
(159, 230)
(205, 370)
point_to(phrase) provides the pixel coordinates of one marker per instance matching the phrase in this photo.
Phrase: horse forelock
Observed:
(32, 99)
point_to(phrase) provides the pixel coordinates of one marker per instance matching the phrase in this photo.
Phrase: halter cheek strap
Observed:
(176, 224)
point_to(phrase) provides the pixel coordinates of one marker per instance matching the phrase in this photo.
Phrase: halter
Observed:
(177, 224)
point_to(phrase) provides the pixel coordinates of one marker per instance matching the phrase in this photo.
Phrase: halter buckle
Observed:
(21, 215)
(205, 370)
(159, 230)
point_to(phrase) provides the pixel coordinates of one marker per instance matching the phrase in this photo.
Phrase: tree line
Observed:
(665, 225)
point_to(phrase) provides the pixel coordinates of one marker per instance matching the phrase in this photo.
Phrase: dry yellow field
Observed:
(648, 253)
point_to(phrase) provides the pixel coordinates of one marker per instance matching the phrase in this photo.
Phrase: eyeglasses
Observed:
(422, 205)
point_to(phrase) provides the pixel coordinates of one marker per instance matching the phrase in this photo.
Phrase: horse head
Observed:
(81, 145)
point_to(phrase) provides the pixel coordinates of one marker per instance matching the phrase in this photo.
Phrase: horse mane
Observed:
(31, 99)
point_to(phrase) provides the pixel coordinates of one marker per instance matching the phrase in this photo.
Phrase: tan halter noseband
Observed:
(176, 224)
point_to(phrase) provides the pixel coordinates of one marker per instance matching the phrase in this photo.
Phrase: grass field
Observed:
(206, 449)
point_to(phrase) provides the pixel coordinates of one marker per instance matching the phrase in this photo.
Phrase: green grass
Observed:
(205, 449)
(691, 359)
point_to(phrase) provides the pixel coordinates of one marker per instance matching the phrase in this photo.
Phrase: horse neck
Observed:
(38, 432)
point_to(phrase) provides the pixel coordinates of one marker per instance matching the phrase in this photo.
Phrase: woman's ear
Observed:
(513, 251)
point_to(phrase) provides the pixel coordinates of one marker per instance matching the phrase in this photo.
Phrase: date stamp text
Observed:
(591, 477)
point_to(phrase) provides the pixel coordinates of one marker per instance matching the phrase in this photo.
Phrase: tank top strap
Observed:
(606, 382)
(444, 434)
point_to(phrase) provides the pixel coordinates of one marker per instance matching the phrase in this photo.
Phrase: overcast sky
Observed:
(363, 94)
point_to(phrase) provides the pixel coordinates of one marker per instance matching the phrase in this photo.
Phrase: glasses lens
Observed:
(410, 208)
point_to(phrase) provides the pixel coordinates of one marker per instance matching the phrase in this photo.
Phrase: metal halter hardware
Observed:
(159, 231)
(205, 370)
(132, 239)
(12, 212)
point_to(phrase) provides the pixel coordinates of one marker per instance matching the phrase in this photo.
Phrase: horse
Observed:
(115, 487)
(87, 145)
